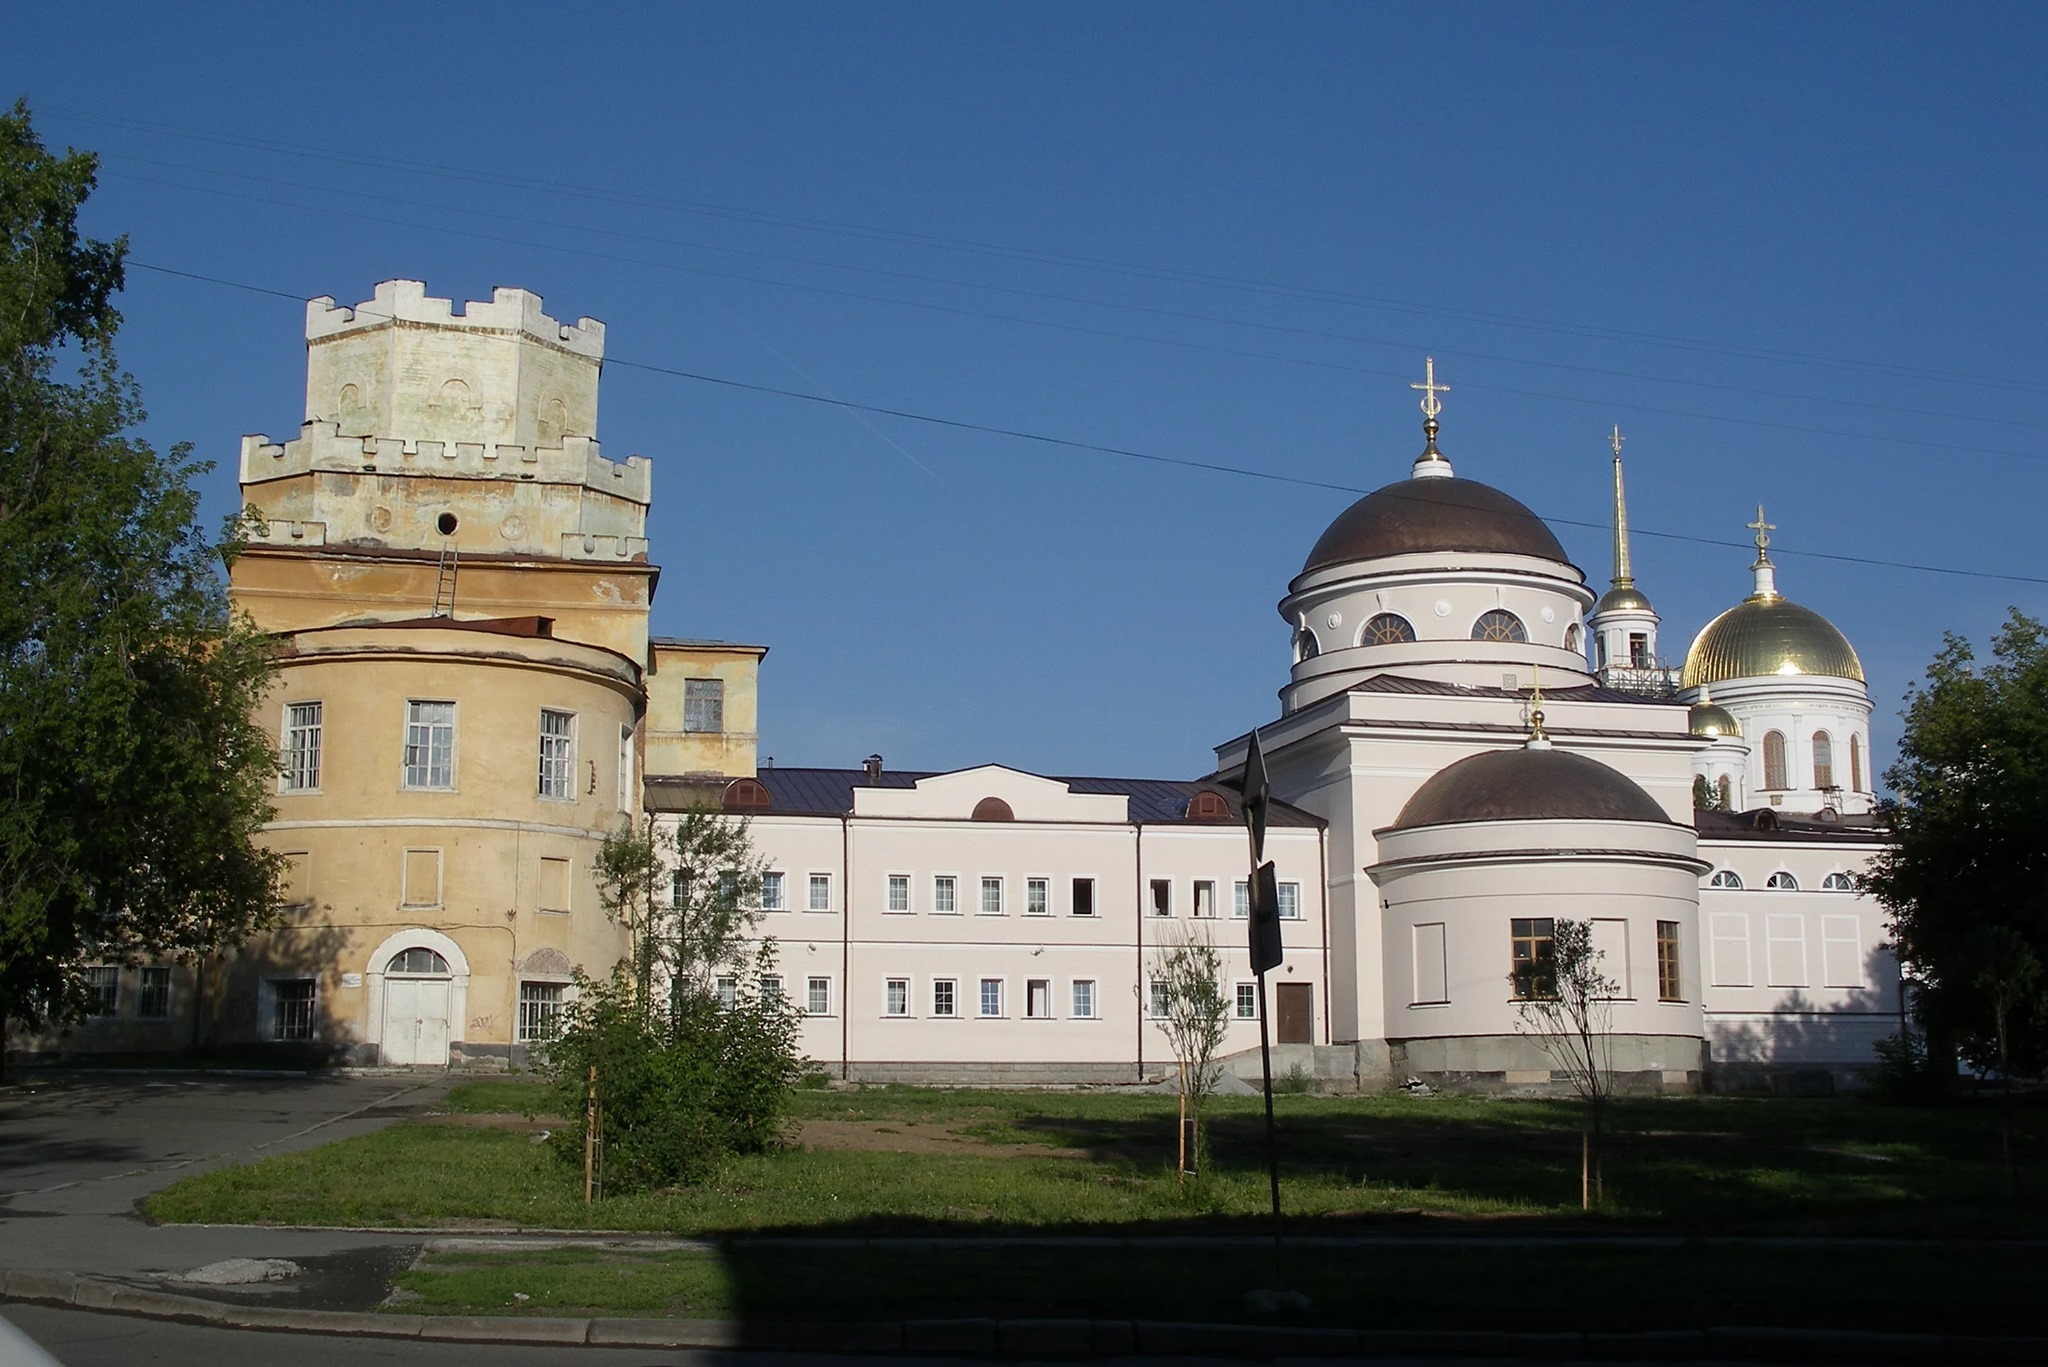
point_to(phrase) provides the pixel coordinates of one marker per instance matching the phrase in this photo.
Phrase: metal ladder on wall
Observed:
(444, 582)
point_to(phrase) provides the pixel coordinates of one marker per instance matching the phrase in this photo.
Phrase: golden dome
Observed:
(1714, 722)
(1767, 635)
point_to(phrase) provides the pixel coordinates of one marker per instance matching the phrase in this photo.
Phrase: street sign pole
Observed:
(1266, 953)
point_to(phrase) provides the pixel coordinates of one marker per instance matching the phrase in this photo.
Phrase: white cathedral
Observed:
(1453, 775)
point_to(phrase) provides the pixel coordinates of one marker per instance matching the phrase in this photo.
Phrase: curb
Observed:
(1036, 1338)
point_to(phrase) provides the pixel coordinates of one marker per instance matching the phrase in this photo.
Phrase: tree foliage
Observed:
(1965, 877)
(132, 771)
(688, 1072)
(1566, 1005)
(1189, 973)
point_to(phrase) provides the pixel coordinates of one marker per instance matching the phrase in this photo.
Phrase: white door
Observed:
(416, 1021)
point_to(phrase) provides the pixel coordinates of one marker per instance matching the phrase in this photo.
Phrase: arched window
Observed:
(1838, 882)
(1782, 881)
(1823, 760)
(747, 795)
(993, 809)
(1774, 760)
(1725, 878)
(1726, 788)
(1387, 629)
(1855, 763)
(1571, 637)
(1208, 806)
(417, 961)
(1499, 625)
(1305, 645)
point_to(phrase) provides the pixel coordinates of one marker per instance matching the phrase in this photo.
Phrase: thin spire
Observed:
(1431, 463)
(1537, 740)
(1624, 578)
(1766, 585)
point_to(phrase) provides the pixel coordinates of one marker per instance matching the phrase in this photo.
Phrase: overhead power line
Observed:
(1130, 453)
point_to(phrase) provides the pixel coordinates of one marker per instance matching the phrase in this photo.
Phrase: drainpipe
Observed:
(1138, 935)
(1323, 892)
(845, 945)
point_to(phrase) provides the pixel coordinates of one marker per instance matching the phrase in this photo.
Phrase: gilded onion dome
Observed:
(1767, 635)
(1711, 721)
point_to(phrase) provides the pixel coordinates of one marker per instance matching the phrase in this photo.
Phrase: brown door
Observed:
(1294, 1004)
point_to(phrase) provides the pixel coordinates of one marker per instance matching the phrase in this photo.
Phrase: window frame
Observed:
(990, 882)
(1159, 908)
(1241, 900)
(694, 707)
(891, 1008)
(1038, 895)
(1076, 899)
(1821, 750)
(430, 728)
(538, 1013)
(1782, 880)
(776, 880)
(160, 976)
(288, 1023)
(1158, 998)
(814, 984)
(1381, 629)
(1038, 992)
(1289, 894)
(945, 894)
(892, 883)
(1485, 625)
(950, 987)
(1670, 963)
(983, 999)
(556, 781)
(1727, 880)
(301, 763)
(1208, 886)
(103, 984)
(1077, 988)
(1245, 994)
(1776, 761)
(1528, 984)
(813, 880)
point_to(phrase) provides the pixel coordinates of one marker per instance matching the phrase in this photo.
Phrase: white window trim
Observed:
(1195, 912)
(909, 997)
(810, 878)
(1151, 1000)
(1152, 911)
(1300, 913)
(981, 1011)
(142, 992)
(626, 768)
(1046, 880)
(1094, 912)
(568, 793)
(454, 783)
(284, 783)
(1094, 999)
(933, 999)
(909, 907)
(1240, 911)
(937, 910)
(1048, 1013)
(783, 906)
(981, 895)
(811, 980)
(1237, 996)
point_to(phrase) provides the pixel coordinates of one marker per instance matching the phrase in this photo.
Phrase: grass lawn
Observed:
(1975, 1290)
(905, 1160)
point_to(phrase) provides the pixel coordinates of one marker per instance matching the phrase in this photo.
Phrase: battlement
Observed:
(407, 302)
(321, 447)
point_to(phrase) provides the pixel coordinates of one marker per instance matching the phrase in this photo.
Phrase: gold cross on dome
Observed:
(1431, 404)
(1618, 440)
(1761, 528)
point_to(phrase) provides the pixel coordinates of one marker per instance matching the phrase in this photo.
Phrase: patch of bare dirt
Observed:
(911, 1136)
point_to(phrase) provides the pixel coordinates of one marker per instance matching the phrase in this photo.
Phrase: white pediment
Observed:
(954, 797)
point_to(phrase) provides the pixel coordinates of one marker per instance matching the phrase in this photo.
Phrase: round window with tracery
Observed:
(1387, 629)
(1499, 625)
(418, 962)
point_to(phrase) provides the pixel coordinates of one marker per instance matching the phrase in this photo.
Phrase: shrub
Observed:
(680, 1089)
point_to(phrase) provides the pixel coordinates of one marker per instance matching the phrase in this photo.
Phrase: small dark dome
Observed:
(1423, 515)
(1529, 784)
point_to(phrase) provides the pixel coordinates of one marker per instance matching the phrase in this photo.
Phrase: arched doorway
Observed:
(420, 988)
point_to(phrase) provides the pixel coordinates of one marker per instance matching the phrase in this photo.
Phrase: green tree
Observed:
(132, 769)
(1188, 976)
(1969, 848)
(1566, 1003)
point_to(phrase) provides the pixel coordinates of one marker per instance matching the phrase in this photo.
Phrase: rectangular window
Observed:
(1639, 650)
(1729, 938)
(991, 996)
(1157, 999)
(540, 1009)
(820, 893)
(1290, 901)
(818, 996)
(429, 744)
(103, 990)
(678, 888)
(771, 891)
(557, 754)
(1038, 999)
(704, 705)
(1670, 986)
(625, 768)
(1841, 952)
(944, 997)
(1432, 968)
(1240, 900)
(302, 726)
(1162, 897)
(943, 901)
(1037, 897)
(728, 990)
(1205, 898)
(1785, 950)
(554, 884)
(291, 1008)
(1084, 897)
(899, 892)
(771, 987)
(991, 897)
(1247, 1001)
(1530, 959)
(896, 996)
(154, 1002)
(1084, 999)
(421, 873)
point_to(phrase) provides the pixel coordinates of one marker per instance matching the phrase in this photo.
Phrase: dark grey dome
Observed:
(1423, 515)
(1528, 785)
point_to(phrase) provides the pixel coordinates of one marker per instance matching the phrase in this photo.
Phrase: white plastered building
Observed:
(1471, 745)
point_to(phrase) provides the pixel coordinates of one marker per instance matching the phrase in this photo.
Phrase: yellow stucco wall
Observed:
(673, 750)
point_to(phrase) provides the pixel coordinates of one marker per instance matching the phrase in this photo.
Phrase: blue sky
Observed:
(1794, 252)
